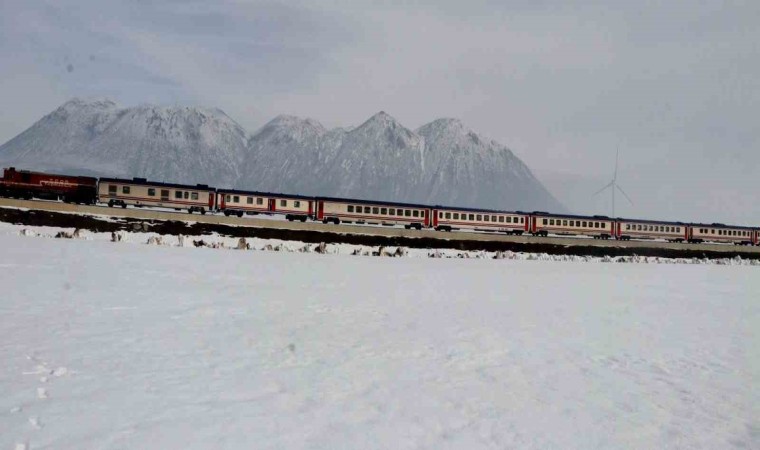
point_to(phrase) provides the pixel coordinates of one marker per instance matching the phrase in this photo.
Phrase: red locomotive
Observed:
(26, 184)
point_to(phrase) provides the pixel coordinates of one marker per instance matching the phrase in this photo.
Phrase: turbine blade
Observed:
(611, 183)
(626, 195)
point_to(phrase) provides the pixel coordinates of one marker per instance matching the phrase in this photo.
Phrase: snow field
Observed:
(107, 345)
(227, 243)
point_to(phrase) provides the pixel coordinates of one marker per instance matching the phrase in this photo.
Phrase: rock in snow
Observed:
(443, 162)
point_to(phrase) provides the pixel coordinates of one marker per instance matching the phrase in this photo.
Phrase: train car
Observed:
(337, 210)
(720, 233)
(627, 229)
(234, 202)
(27, 184)
(141, 192)
(448, 219)
(598, 227)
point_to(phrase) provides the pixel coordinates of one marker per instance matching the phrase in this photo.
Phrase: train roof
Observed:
(264, 194)
(48, 174)
(144, 182)
(569, 216)
(722, 225)
(484, 210)
(372, 202)
(649, 221)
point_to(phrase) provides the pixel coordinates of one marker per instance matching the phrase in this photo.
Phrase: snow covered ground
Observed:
(113, 345)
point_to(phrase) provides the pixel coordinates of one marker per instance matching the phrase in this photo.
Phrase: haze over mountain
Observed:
(443, 162)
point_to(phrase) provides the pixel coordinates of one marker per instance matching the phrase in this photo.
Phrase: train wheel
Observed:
(190, 211)
(110, 203)
(240, 214)
(203, 211)
(123, 206)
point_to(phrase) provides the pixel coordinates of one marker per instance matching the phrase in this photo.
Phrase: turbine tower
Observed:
(614, 186)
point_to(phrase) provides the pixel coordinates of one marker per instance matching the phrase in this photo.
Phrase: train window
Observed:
(226, 198)
(501, 219)
(543, 221)
(471, 217)
(572, 223)
(384, 211)
(187, 195)
(350, 208)
(125, 189)
(456, 216)
(151, 192)
(283, 203)
(375, 210)
(415, 213)
(236, 199)
(194, 196)
(367, 210)
(440, 214)
(479, 217)
(165, 194)
(564, 223)
(551, 221)
(448, 215)
(249, 200)
(678, 229)
(296, 203)
(392, 211)
(112, 189)
(177, 194)
(522, 219)
(407, 213)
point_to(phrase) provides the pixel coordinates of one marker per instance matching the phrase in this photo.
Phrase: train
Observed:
(202, 199)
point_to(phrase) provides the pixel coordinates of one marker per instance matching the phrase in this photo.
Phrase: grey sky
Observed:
(675, 84)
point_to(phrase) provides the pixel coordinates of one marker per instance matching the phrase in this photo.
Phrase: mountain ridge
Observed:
(442, 162)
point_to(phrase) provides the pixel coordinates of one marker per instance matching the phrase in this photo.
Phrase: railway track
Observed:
(377, 235)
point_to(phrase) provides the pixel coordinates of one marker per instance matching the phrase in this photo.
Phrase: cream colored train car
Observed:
(716, 232)
(294, 207)
(140, 192)
(375, 213)
(598, 227)
(448, 219)
(628, 229)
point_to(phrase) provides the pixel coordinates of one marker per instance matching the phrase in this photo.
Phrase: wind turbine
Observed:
(614, 186)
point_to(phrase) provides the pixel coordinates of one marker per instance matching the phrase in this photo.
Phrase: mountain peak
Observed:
(381, 118)
(78, 103)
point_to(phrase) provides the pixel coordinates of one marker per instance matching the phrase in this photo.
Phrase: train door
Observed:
(272, 204)
(689, 233)
(428, 218)
(211, 196)
(311, 209)
(320, 210)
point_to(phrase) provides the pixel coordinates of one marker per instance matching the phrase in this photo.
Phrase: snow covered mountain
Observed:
(178, 144)
(443, 162)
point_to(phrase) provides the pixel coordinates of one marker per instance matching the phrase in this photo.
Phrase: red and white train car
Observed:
(628, 229)
(27, 184)
(448, 219)
(140, 192)
(721, 233)
(369, 212)
(598, 227)
(294, 207)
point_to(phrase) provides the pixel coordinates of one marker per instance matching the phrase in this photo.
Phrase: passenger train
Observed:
(139, 192)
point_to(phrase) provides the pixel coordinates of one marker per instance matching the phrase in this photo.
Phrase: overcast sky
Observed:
(675, 85)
